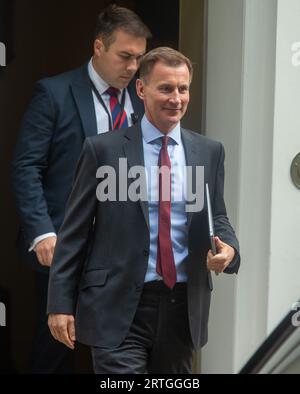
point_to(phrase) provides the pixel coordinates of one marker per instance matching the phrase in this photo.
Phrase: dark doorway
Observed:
(46, 38)
(57, 36)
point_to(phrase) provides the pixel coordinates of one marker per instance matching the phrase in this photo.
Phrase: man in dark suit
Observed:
(64, 110)
(131, 276)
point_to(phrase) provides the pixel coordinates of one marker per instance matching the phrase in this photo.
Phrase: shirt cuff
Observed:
(39, 239)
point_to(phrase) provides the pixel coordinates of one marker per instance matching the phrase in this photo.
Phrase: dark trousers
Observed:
(158, 341)
(48, 356)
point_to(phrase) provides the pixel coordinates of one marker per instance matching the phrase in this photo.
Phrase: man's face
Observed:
(118, 63)
(165, 93)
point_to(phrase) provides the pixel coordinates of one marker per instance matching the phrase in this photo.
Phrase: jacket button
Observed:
(146, 253)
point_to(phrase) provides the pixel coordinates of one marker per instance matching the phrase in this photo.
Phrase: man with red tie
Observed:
(131, 277)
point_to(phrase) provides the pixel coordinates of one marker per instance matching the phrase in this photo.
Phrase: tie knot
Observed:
(113, 91)
(165, 141)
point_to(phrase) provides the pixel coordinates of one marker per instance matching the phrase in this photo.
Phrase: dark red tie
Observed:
(165, 265)
(118, 114)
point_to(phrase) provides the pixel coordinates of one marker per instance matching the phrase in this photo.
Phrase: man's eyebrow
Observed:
(131, 54)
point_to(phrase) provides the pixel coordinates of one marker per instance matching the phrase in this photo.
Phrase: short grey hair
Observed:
(167, 55)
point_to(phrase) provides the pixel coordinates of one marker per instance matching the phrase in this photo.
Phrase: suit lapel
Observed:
(85, 104)
(194, 157)
(133, 149)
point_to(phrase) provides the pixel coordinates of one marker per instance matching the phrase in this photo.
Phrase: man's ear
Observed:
(98, 46)
(140, 89)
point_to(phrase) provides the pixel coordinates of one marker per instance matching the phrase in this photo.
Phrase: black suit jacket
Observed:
(60, 116)
(102, 250)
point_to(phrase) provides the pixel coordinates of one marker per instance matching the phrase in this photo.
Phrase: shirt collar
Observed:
(151, 133)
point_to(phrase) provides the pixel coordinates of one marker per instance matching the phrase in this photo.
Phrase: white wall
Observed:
(255, 176)
(224, 70)
(243, 66)
(284, 288)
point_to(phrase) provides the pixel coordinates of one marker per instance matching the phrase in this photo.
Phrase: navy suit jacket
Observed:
(102, 250)
(60, 116)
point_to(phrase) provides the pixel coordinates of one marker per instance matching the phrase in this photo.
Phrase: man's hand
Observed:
(224, 256)
(62, 328)
(44, 251)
